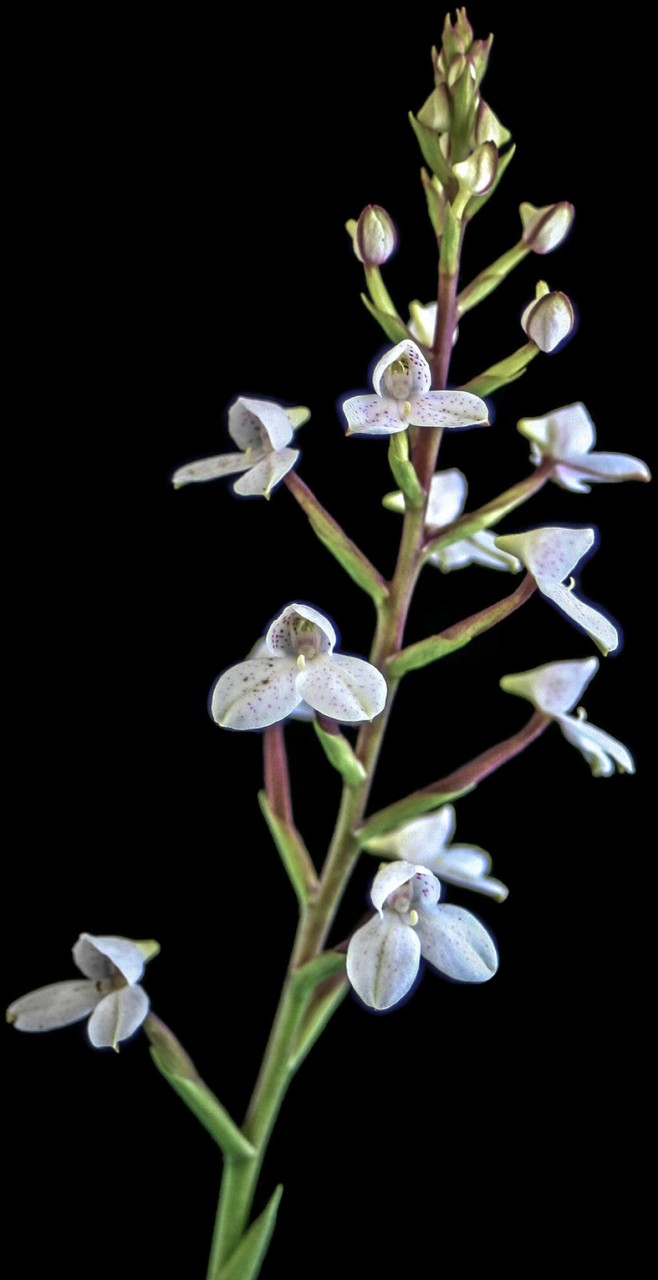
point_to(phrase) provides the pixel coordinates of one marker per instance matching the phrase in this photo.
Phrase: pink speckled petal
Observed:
(448, 409)
(456, 943)
(554, 688)
(345, 688)
(255, 693)
(254, 423)
(262, 478)
(382, 960)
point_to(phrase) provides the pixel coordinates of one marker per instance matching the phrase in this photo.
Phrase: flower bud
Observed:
(544, 229)
(549, 319)
(477, 173)
(375, 238)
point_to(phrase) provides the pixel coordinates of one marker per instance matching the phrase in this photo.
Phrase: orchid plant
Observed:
(300, 669)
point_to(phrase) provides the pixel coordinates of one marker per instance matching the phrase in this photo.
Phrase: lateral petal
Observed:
(57, 1005)
(456, 943)
(255, 693)
(117, 1016)
(345, 688)
(382, 960)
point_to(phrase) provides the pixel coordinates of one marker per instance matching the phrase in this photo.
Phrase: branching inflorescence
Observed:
(295, 671)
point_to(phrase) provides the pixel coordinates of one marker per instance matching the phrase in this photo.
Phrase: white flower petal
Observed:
(392, 877)
(57, 1005)
(600, 749)
(447, 496)
(420, 840)
(117, 1016)
(448, 409)
(420, 377)
(283, 635)
(223, 464)
(479, 548)
(604, 635)
(345, 688)
(554, 688)
(382, 960)
(607, 468)
(467, 866)
(548, 554)
(561, 433)
(255, 693)
(422, 322)
(98, 957)
(456, 943)
(261, 479)
(374, 416)
(253, 423)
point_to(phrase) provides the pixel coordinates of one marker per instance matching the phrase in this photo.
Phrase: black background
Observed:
(178, 193)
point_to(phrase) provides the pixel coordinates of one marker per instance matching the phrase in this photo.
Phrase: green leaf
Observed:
(428, 142)
(337, 542)
(340, 754)
(455, 637)
(404, 471)
(490, 278)
(411, 806)
(317, 970)
(322, 1008)
(293, 853)
(246, 1261)
(394, 328)
(209, 1112)
(506, 371)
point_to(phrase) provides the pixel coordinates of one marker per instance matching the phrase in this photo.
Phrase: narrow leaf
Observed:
(209, 1112)
(340, 754)
(394, 328)
(502, 373)
(336, 541)
(293, 853)
(245, 1263)
(404, 471)
(455, 637)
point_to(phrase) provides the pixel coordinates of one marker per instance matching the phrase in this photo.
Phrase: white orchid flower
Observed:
(402, 381)
(383, 956)
(262, 430)
(109, 991)
(567, 436)
(298, 665)
(550, 555)
(447, 498)
(426, 840)
(554, 689)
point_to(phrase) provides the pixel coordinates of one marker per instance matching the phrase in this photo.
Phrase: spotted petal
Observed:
(456, 943)
(374, 416)
(255, 693)
(554, 688)
(252, 423)
(448, 409)
(345, 688)
(382, 960)
(283, 633)
(222, 464)
(419, 377)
